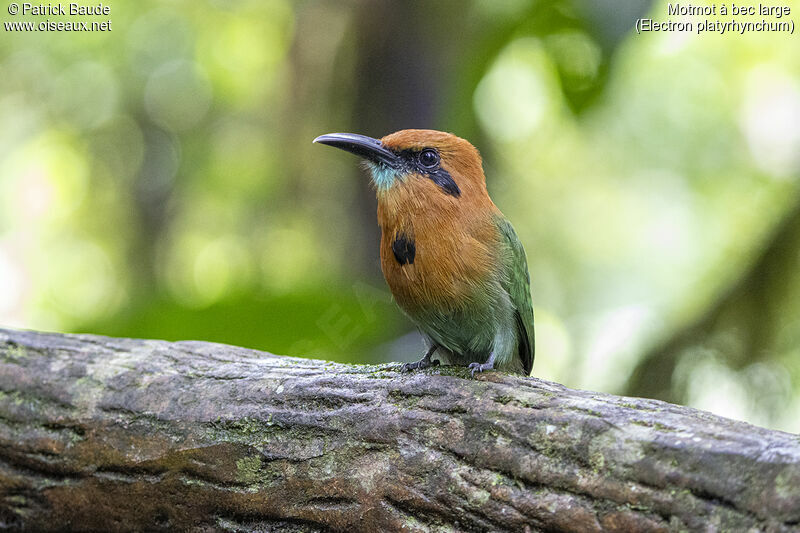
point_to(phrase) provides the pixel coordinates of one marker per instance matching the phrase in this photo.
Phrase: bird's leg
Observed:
(480, 367)
(425, 362)
(502, 340)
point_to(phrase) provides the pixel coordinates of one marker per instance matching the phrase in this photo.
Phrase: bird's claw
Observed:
(419, 365)
(479, 367)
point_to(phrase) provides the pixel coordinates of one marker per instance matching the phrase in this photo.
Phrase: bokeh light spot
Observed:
(86, 93)
(770, 119)
(517, 92)
(177, 95)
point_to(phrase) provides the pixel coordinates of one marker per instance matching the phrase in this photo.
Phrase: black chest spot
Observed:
(404, 249)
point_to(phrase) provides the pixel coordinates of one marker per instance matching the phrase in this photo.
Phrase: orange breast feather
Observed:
(454, 239)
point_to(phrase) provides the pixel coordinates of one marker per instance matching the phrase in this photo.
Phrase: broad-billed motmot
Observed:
(452, 260)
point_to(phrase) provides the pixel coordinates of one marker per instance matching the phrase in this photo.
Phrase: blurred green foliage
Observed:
(159, 181)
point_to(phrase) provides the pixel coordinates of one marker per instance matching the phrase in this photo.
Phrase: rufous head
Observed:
(451, 162)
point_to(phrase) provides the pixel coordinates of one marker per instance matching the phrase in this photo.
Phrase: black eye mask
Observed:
(428, 163)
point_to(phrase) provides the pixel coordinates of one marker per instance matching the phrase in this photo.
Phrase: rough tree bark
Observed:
(118, 434)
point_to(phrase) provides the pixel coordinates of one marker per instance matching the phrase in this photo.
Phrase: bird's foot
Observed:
(480, 367)
(425, 362)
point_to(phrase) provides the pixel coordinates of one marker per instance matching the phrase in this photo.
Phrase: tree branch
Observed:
(121, 434)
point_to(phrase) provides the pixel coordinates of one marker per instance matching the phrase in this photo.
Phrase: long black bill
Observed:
(362, 146)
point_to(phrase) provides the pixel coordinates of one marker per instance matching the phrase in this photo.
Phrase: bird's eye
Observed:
(429, 158)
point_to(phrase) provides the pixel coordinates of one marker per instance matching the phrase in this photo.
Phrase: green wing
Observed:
(517, 283)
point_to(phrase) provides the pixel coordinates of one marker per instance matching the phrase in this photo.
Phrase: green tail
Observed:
(517, 283)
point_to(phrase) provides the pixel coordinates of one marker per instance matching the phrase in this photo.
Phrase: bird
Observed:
(452, 260)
